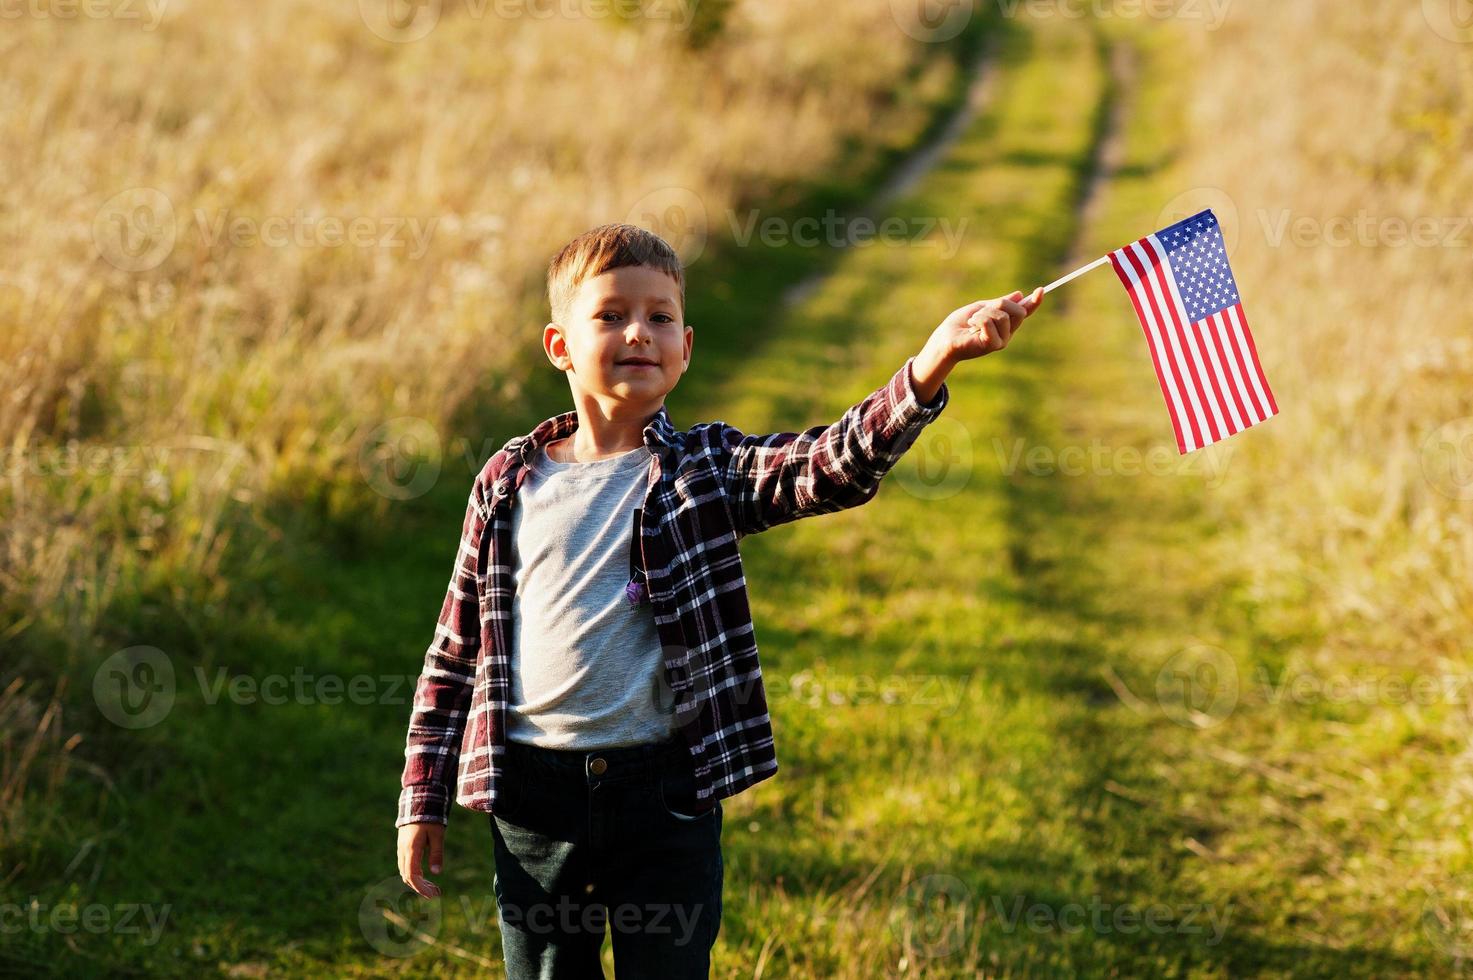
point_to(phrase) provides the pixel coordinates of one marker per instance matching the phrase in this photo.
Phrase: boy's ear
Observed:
(690, 335)
(555, 346)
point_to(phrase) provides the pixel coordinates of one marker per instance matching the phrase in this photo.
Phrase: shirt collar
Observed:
(659, 432)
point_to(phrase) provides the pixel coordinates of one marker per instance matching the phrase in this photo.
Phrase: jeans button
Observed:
(597, 766)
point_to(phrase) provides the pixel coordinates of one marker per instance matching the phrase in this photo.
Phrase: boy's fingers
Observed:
(437, 853)
(1034, 300)
(411, 861)
(418, 881)
(408, 864)
(423, 886)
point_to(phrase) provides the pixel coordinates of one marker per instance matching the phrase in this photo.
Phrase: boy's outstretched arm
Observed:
(779, 477)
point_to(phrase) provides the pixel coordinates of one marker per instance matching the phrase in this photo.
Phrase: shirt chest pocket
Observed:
(637, 591)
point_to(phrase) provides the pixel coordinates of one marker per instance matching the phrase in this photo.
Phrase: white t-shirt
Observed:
(586, 665)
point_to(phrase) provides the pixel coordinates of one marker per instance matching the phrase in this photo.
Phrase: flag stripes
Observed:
(1208, 369)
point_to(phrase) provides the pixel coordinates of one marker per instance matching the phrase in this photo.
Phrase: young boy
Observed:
(593, 684)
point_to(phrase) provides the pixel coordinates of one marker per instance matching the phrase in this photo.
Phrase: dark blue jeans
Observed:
(610, 837)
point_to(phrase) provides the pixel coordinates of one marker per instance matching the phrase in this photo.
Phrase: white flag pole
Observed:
(1076, 274)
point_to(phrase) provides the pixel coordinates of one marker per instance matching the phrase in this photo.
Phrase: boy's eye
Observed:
(658, 317)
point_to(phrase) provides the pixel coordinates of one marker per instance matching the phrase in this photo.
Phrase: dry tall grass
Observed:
(241, 238)
(175, 282)
(1354, 210)
(1356, 254)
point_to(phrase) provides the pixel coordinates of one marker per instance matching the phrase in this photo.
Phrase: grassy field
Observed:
(1053, 704)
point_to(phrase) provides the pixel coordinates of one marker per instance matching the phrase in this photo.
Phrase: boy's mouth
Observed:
(640, 362)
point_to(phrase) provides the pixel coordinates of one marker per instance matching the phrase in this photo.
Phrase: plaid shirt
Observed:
(708, 487)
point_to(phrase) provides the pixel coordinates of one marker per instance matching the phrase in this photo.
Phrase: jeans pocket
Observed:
(512, 800)
(676, 792)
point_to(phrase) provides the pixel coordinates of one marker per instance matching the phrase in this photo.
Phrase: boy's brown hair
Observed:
(606, 247)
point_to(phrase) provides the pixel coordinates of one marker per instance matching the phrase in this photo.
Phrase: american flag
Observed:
(1188, 304)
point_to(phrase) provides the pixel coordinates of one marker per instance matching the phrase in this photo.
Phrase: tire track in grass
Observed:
(1131, 557)
(916, 166)
(915, 589)
(1044, 919)
(1059, 539)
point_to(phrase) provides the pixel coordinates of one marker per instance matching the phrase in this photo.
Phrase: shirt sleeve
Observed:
(442, 695)
(779, 477)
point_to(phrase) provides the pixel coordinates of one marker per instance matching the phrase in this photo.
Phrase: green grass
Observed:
(963, 673)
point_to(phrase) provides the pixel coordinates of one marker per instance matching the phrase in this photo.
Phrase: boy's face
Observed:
(616, 320)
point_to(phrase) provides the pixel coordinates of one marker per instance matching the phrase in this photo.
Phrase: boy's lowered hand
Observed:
(984, 326)
(416, 841)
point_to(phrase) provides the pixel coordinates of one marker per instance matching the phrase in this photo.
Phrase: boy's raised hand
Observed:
(416, 842)
(985, 326)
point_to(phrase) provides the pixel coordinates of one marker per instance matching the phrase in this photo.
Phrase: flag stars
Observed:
(1199, 261)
